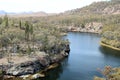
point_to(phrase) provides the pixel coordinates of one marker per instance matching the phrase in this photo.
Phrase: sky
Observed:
(49, 6)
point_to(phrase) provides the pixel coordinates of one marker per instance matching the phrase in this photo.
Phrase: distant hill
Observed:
(104, 7)
(2, 12)
(32, 14)
(91, 18)
(25, 14)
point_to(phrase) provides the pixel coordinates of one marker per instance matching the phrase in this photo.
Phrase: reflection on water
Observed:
(109, 52)
(54, 74)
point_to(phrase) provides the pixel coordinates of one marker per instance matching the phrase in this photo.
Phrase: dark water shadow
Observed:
(109, 52)
(55, 73)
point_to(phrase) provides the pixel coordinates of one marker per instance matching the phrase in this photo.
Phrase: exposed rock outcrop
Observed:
(92, 27)
(24, 68)
(34, 64)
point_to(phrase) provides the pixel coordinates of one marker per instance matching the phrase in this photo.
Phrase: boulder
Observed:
(37, 63)
(25, 77)
(24, 68)
(38, 75)
(56, 58)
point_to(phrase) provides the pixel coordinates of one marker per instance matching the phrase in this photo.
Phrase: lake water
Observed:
(85, 57)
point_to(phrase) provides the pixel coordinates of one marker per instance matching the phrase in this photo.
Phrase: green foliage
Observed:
(6, 20)
(28, 30)
(29, 36)
(46, 31)
(4, 40)
(111, 35)
(28, 51)
(1, 72)
(0, 20)
(82, 25)
(109, 73)
(20, 24)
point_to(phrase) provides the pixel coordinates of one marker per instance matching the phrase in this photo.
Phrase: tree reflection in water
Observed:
(109, 52)
(54, 74)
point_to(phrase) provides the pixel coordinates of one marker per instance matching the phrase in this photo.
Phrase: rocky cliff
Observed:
(32, 64)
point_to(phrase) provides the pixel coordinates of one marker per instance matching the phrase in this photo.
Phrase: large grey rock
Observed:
(39, 62)
(24, 68)
(35, 76)
(25, 77)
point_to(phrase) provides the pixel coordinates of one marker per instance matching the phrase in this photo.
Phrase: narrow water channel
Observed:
(85, 57)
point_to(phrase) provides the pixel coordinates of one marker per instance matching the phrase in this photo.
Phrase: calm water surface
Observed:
(85, 57)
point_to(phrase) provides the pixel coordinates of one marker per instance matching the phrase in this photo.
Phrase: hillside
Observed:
(91, 18)
(104, 7)
(29, 33)
(99, 17)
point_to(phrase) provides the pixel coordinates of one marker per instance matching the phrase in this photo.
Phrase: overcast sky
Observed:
(49, 6)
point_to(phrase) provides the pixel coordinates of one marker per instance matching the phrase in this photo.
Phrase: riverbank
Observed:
(84, 32)
(92, 27)
(31, 66)
(109, 73)
(114, 48)
(40, 74)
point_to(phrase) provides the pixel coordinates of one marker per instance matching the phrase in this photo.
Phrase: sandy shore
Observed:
(101, 43)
